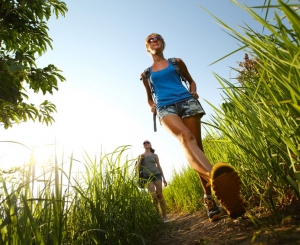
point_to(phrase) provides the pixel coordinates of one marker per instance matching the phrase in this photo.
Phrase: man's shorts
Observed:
(183, 109)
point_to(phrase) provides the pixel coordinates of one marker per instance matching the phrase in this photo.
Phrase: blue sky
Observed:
(99, 46)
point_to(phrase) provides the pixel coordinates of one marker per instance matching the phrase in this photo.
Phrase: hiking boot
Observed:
(226, 185)
(213, 212)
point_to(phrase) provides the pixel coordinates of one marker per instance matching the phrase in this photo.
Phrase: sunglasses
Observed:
(147, 142)
(152, 39)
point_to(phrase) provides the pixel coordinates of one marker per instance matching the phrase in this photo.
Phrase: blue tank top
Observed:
(168, 87)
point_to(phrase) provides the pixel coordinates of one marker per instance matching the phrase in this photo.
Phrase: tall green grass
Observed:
(257, 129)
(259, 118)
(184, 192)
(101, 204)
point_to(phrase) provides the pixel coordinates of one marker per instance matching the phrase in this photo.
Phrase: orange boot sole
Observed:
(226, 184)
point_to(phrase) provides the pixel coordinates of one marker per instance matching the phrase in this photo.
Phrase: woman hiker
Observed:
(154, 175)
(180, 112)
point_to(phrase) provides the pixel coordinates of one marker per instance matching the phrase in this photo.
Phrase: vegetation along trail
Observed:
(256, 130)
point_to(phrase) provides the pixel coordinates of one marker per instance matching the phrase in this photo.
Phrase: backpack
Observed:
(140, 175)
(147, 75)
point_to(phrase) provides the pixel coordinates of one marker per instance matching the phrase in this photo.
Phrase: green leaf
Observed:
(15, 67)
(296, 107)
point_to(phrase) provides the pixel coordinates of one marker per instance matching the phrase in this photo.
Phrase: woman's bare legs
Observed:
(189, 134)
(194, 125)
(155, 188)
(188, 131)
(183, 133)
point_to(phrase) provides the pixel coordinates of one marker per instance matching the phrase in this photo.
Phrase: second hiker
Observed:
(154, 175)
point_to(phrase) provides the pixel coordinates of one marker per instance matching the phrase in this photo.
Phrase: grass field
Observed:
(256, 130)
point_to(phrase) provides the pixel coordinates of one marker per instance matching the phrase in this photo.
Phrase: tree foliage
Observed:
(23, 38)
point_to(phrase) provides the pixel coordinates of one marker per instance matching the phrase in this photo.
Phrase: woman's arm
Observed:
(149, 95)
(139, 161)
(188, 77)
(160, 169)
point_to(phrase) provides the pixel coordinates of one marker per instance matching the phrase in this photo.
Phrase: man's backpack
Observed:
(179, 72)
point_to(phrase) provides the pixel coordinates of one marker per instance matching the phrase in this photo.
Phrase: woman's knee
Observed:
(154, 195)
(186, 137)
(159, 196)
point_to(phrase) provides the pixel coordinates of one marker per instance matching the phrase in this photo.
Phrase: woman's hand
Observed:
(195, 95)
(153, 108)
(165, 183)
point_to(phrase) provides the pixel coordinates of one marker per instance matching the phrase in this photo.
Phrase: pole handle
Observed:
(154, 122)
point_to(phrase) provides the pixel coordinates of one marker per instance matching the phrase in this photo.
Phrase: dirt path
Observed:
(195, 229)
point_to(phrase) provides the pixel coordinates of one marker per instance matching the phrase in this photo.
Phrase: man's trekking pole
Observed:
(154, 121)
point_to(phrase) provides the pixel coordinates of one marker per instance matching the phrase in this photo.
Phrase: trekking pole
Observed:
(154, 122)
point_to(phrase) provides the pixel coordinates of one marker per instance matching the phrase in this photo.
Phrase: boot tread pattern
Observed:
(226, 184)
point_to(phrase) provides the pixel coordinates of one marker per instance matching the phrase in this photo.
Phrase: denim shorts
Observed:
(153, 178)
(183, 109)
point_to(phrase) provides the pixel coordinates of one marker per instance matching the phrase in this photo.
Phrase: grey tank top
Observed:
(149, 165)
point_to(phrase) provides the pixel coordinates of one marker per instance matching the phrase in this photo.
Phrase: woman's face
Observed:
(155, 44)
(147, 144)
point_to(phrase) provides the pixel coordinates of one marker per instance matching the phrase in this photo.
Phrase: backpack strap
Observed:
(179, 72)
(147, 75)
(177, 68)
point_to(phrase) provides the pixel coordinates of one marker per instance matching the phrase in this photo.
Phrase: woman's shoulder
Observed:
(176, 58)
(180, 63)
(145, 74)
(179, 60)
(176, 62)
